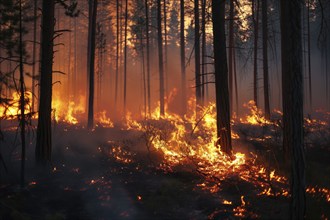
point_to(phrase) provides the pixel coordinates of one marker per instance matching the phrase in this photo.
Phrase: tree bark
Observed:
(165, 49)
(117, 52)
(221, 76)
(203, 76)
(22, 95)
(309, 57)
(148, 56)
(35, 8)
(292, 92)
(197, 56)
(255, 11)
(125, 55)
(44, 136)
(183, 59)
(91, 65)
(230, 49)
(264, 6)
(160, 58)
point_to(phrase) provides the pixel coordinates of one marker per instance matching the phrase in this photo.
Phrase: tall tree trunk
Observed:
(197, 56)
(35, 8)
(203, 50)
(292, 92)
(165, 49)
(236, 86)
(143, 76)
(44, 135)
(125, 55)
(91, 64)
(265, 57)
(309, 57)
(148, 56)
(69, 63)
(160, 57)
(74, 81)
(22, 95)
(183, 59)
(117, 53)
(255, 11)
(230, 50)
(221, 76)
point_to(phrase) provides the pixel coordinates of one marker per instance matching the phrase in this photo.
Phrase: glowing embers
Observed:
(319, 192)
(120, 154)
(240, 210)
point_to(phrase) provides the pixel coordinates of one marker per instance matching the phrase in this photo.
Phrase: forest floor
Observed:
(108, 173)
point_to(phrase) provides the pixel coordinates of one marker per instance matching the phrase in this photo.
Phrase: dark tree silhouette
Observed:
(160, 57)
(91, 60)
(255, 14)
(125, 54)
(221, 76)
(264, 7)
(292, 92)
(148, 55)
(197, 55)
(44, 135)
(183, 59)
(230, 50)
(22, 95)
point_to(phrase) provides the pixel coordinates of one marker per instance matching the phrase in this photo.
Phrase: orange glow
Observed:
(13, 109)
(256, 115)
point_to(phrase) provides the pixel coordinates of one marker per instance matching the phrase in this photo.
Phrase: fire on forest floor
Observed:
(176, 143)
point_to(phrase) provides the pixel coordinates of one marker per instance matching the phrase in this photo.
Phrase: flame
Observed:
(12, 109)
(103, 120)
(192, 140)
(67, 112)
(256, 115)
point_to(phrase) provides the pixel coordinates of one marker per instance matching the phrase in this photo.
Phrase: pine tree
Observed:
(221, 76)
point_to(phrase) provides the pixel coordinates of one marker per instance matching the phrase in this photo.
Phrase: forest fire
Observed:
(162, 109)
(11, 108)
(256, 115)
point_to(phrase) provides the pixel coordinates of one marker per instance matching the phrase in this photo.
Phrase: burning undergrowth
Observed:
(175, 144)
(158, 149)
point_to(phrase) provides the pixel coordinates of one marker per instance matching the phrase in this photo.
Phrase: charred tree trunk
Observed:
(165, 49)
(91, 64)
(309, 57)
(203, 50)
(22, 95)
(44, 136)
(183, 59)
(235, 80)
(230, 49)
(148, 56)
(255, 11)
(197, 56)
(125, 55)
(74, 81)
(292, 92)
(35, 8)
(221, 76)
(265, 57)
(160, 58)
(117, 53)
